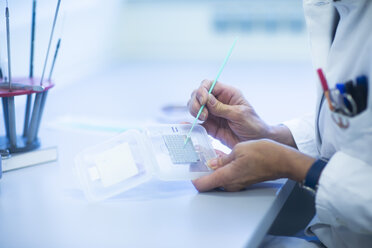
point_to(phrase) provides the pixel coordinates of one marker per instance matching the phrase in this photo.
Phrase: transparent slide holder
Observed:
(134, 157)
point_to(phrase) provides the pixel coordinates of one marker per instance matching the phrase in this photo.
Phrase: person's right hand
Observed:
(252, 162)
(227, 116)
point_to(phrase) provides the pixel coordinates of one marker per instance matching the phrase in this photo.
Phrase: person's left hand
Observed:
(253, 162)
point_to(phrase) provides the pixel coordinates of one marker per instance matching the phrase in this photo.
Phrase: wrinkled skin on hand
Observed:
(253, 162)
(260, 152)
(228, 116)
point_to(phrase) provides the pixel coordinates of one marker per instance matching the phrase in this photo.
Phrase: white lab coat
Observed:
(344, 197)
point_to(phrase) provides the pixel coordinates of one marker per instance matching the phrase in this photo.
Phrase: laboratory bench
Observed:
(44, 206)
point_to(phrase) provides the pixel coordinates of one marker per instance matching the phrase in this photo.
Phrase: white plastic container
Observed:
(134, 157)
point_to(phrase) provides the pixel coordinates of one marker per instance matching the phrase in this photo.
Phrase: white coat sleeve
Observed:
(344, 196)
(303, 132)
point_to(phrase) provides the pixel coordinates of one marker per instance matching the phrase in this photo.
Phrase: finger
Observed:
(206, 83)
(194, 110)
(194, 107)
(220, 153)
(204, 115)
(209, 182)
(221, 88)
(220, 109)
(221, 161)
(202, 94)
(199, 97)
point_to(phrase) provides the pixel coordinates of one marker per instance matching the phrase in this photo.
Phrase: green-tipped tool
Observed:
(211, 89)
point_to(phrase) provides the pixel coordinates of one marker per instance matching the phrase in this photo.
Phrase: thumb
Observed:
(221, 161)
(218, 108)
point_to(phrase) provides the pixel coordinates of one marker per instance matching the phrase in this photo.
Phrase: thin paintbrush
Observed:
(211, 89)
(8, 45)
(33, 21)
(10, 100)
(50, 41)
(29, 96)
(41, 97)
(54, 59)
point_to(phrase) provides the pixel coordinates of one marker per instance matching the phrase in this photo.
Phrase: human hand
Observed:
(253, 162)
(228, 116)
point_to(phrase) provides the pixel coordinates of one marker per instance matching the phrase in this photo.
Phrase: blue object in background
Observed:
(1, 168)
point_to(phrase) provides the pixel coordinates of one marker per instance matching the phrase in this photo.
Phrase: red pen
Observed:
(324, 84)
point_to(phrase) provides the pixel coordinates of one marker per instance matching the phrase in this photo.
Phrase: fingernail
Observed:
(200, 99)
(212, 99)
(213, 163)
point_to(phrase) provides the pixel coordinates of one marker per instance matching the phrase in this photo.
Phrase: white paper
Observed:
(93, 173)
(116, 165)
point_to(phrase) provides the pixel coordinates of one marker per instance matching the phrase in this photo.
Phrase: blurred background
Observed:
(96, 34)
(170, 42)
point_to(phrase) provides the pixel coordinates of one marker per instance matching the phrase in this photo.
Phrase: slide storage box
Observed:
(134, 157)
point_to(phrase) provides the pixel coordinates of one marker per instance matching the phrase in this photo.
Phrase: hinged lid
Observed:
(132, 157)
(114, 166)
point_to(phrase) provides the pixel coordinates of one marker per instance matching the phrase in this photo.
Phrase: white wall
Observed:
(203, 30)
(84, 25)
(96, 34)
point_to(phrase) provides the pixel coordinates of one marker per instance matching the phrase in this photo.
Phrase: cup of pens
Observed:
(35, 89)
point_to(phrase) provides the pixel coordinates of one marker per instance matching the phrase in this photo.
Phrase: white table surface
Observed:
(43, 206)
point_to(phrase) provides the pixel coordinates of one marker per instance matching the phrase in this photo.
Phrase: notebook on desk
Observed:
(31, 158)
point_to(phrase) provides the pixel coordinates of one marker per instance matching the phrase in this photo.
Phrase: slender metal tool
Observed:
(31, 134)
(8, 45)
(33, 25)
(42, 105)
(41, 97)
(10, 100)
(31, 75)
(50, 41)
(12, 122)
(54, 59)
(211, 89)
(6, 116)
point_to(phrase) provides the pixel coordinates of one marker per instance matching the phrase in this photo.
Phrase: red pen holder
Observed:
(11, 142)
